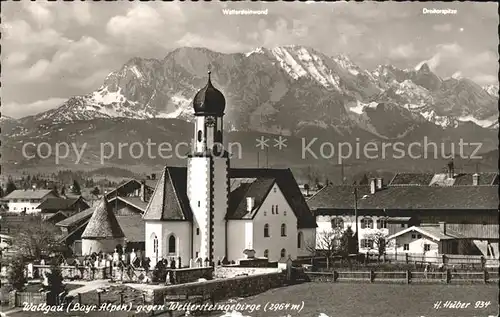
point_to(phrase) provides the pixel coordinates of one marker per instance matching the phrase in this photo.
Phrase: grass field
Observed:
(356, 300)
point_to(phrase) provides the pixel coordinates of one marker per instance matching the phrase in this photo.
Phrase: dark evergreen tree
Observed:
(10, 186)
(75, 189)
(16, 276)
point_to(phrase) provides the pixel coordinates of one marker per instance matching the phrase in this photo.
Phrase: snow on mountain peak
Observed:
(492, 90)
(258, 50)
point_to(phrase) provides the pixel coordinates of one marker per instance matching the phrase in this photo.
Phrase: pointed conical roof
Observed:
(103, 223)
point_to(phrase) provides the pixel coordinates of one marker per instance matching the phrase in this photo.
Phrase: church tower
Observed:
(207, 173)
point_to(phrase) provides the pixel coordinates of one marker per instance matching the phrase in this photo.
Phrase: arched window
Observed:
(299, 240)
(266, 253)
(283, 230)
(200, 135)
(283, 253)
(266, 231)
(155, 244)
(218, 136)
(337, 223)
(171, 244)
(366, 223)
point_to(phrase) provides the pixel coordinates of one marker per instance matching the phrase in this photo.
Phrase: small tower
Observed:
(207, 173)
(103, 233)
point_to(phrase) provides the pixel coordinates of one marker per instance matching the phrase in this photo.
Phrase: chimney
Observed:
(142, 192)
(442, 225)
(373, 186)
(250, 203)
(380, 183)
(475, 179)
(153, 176)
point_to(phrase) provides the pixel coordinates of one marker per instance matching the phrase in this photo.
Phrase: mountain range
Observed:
(292, 90)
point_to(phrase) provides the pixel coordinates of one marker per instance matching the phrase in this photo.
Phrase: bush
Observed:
(55, 284)
(16, 276)
(160, 272)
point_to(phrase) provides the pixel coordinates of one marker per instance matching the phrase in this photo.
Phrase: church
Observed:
(211, 212)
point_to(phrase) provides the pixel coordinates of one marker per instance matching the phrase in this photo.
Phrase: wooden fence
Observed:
(405, 277)
(19, 298)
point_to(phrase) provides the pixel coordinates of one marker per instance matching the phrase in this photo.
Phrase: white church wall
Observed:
(239, 236)
(153, 228)
(308, 241)
(220, 207)
(199, 196)
(181, 231)
(90, 246)
(275, 242)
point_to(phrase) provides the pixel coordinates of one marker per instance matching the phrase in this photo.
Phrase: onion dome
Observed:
(209, 100)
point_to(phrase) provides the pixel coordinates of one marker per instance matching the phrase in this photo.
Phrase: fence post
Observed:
(335, 276)
(483, 262)
(406, 258)
(485, 276)
(372, 276)
(408, 276)
(443, 259)
(448, 276)
(80, 298)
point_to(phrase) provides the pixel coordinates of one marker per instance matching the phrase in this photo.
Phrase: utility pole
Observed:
(356, 214)
(342, 173)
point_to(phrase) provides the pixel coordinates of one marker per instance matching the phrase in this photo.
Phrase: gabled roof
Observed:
(433, 198)
(289, 187)
(58, 203)
(169, 200)
(421, 179)
(336, 197)
(103, 223)
(484, 179)
(129, 186)
(135, 202)
(431, 231)
(133, 227)
(257, 188)
(28, 194)
(76, 218)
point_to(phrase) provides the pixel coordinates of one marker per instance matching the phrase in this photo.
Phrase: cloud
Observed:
(19, 110)
(442, 27)
(485, 79)
(403, 51)
(40, 12)
(444, 52)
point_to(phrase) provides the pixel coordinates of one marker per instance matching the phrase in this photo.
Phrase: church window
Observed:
(171, 244)
(155, 244)
(274, 189)
(266, 253)
(272, 209)
(283, 253)
(218, 136)
(276, 209)
(200, 134)
(266, 230)
(199, 203)
(196, 254)
(265, 213)
(283, 230)
(299, 240)
(284, 212)
(197, 231)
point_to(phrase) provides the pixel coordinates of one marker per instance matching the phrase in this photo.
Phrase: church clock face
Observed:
(210, 121)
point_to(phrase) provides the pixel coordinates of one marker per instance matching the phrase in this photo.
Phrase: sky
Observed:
(54, 50)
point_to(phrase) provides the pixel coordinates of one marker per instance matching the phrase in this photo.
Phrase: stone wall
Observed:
(189, 275)
(233, 271)
(256, 262)
(221, 289)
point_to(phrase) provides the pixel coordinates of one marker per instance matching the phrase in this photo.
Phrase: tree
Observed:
(348, 243)
(55, 283)
(10, 187)
(379, 242)
(16, 276)
(63, 190)
(37, 238)
(327, 244)
(75, 189)
(96, 192)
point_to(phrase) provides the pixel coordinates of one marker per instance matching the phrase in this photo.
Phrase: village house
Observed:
(208, 211)
(27, 200)
(467, 204)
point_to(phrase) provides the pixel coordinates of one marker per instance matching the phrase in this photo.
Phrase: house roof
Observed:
(288, 185)
(432, 231)
(103, 223)
(442, 179)
(129, 186)
(133, 227)
(336, 197)
(169, 200)
(58, 203)
(258, 188)
(61, 214)
(28, 194)
(426, 197)
(408, 197)
(135, 202)
(422, 179)
(76, 218)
